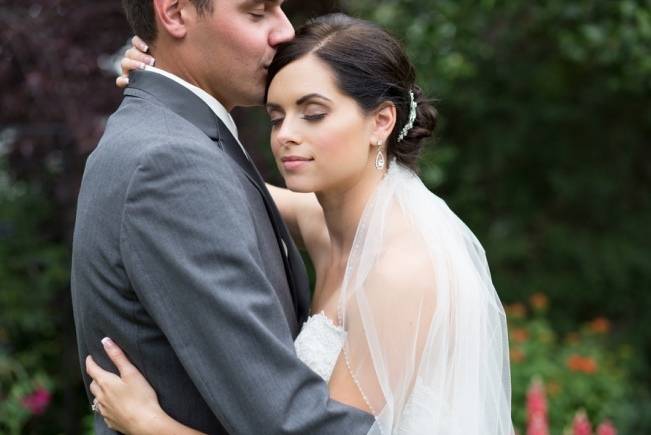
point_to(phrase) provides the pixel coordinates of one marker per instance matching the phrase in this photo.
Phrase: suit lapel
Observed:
(294, 267)
(186, 104)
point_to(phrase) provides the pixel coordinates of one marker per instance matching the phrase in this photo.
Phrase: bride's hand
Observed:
(127, 402)
(134, 58)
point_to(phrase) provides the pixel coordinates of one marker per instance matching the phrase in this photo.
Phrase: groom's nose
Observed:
(283, 31)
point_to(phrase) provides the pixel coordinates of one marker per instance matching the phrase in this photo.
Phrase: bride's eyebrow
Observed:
(307, 97)
(304, 99)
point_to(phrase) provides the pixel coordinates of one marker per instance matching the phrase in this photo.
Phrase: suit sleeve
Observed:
(191, 254)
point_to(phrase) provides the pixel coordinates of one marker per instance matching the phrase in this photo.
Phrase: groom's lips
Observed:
(294, 162)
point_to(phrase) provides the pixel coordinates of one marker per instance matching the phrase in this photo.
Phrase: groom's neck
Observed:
(173, 67)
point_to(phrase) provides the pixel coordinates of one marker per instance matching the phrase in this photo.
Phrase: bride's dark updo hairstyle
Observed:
(369, 66)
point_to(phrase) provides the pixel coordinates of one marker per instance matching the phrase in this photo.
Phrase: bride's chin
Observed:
(298, 186)
(299, 189)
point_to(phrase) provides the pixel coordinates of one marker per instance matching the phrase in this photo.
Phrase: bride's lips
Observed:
(294, 162)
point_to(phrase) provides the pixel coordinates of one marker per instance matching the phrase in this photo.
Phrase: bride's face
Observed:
(320, 137)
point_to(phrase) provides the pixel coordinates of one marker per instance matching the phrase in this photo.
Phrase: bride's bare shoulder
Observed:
(404, 264)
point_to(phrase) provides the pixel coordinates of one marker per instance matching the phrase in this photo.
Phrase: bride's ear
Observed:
(384, 119)
(171, 16)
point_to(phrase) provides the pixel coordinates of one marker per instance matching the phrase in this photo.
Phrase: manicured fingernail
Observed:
(142, 65)
(144, 48)
(107, 342)
(152, 61)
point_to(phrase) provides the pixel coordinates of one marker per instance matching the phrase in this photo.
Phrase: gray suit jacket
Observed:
(180, 256)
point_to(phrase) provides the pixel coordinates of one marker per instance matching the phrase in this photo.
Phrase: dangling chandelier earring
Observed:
(379, 159)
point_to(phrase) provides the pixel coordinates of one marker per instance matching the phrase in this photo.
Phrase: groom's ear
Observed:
(171, 17)
(384, 119)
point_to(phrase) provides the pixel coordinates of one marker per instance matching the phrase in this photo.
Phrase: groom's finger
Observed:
(117, 356)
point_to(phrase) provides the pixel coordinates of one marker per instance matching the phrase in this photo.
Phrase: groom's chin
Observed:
(254, 100)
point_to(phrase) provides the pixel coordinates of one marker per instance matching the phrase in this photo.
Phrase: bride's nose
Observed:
(287, 133)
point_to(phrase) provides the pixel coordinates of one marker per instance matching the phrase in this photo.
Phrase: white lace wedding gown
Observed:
(319, 344)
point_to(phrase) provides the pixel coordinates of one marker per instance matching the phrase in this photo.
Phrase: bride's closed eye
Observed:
(314, 117)
(309, 115)
(277, 121)
(314, 112)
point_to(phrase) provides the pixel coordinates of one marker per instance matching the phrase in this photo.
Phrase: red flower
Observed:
(581, 425)
(519, 334)
(516, 311)
(539, 301)
(606, 428)
(517, 355)
(38, 401)
(600, 325)
(578, 363)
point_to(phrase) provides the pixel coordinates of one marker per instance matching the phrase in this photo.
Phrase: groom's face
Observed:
(235, 44)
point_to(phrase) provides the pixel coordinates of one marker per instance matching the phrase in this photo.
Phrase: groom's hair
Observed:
(141, 17)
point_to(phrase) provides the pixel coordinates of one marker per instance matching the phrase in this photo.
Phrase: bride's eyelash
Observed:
(315, 117)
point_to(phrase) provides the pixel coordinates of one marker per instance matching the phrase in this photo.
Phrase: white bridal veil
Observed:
(426, 333)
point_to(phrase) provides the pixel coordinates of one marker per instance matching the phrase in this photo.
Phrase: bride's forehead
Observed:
(302, 77)
(308, 68)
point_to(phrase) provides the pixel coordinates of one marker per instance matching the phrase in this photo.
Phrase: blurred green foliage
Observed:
(544, 149)
(585, 370)
(32, 268)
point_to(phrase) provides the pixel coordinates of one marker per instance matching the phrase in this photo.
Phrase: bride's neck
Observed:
(343, 209)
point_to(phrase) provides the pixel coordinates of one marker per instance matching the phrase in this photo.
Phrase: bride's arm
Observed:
(304, 218)
(127, 402)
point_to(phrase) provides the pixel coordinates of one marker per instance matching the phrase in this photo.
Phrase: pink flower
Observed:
(537, 409)
(536, 400)
(581, 425)
(38, 401)
(606, 428)
(537, 425)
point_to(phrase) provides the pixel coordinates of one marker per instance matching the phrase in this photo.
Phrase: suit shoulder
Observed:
(140, 129)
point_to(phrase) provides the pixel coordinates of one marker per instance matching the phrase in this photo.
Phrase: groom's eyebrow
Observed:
(273, 106)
